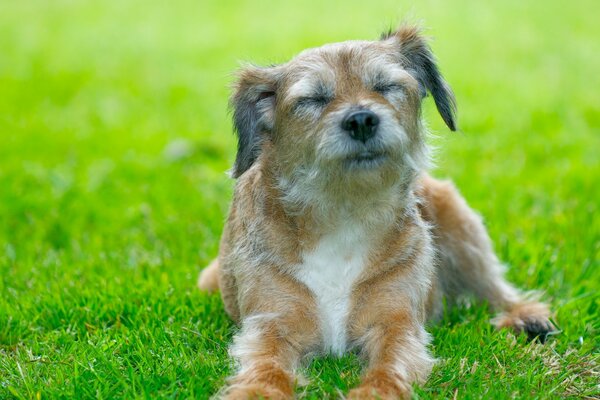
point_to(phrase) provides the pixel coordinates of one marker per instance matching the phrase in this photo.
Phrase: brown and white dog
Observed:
(337, 239)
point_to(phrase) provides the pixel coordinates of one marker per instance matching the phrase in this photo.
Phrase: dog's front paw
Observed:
(265, 380)
(367, 392)
(382, 385)
(253, 391)
(532, 318)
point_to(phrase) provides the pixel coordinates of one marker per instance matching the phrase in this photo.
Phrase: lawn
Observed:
(115, 139)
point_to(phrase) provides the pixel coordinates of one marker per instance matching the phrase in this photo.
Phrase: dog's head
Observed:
(342, 114)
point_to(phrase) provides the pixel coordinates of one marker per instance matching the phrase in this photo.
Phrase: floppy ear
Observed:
(253, 104)
(418, 59)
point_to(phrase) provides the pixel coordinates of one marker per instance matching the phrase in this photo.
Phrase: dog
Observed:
(337, 238)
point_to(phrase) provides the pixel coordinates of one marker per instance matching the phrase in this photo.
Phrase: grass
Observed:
(114, 142)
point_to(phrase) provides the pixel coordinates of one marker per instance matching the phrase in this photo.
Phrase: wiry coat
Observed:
(334, 243)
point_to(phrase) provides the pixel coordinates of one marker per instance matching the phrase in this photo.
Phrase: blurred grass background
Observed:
(114, 140)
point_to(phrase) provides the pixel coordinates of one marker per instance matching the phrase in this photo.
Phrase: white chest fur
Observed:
(329, 271)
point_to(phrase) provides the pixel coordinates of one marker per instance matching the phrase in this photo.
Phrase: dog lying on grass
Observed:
(337, 239)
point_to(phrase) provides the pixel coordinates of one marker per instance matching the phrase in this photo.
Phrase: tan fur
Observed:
(208, 280)
(400, 240)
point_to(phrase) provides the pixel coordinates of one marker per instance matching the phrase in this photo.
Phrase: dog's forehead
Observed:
(324, 68)
(336, 49)
(339, 56)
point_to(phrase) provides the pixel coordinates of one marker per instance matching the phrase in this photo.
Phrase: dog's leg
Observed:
(268, 353)
(468, 263)
(268, 349)
(395, 346)
(208, 279)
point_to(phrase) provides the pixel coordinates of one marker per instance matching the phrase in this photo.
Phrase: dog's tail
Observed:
(209, 277)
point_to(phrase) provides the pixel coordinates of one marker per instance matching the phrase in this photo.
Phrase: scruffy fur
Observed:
(334, 244)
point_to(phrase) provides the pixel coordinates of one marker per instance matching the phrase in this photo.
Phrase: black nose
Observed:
(361, 125)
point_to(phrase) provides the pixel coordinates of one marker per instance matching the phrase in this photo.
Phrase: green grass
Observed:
(103, 232)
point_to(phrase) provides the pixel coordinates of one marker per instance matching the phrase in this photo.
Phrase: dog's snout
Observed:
(361, 125)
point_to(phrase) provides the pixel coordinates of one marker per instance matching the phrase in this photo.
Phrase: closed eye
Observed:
(316, 101)
(384, 88)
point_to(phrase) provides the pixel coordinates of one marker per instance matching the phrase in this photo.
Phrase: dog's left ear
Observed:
(253, 104)
(417, 58)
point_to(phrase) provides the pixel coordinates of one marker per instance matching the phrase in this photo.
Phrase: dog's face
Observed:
(343, 113)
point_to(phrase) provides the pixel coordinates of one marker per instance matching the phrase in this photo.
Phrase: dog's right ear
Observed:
(416, 55)
(253, 104)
